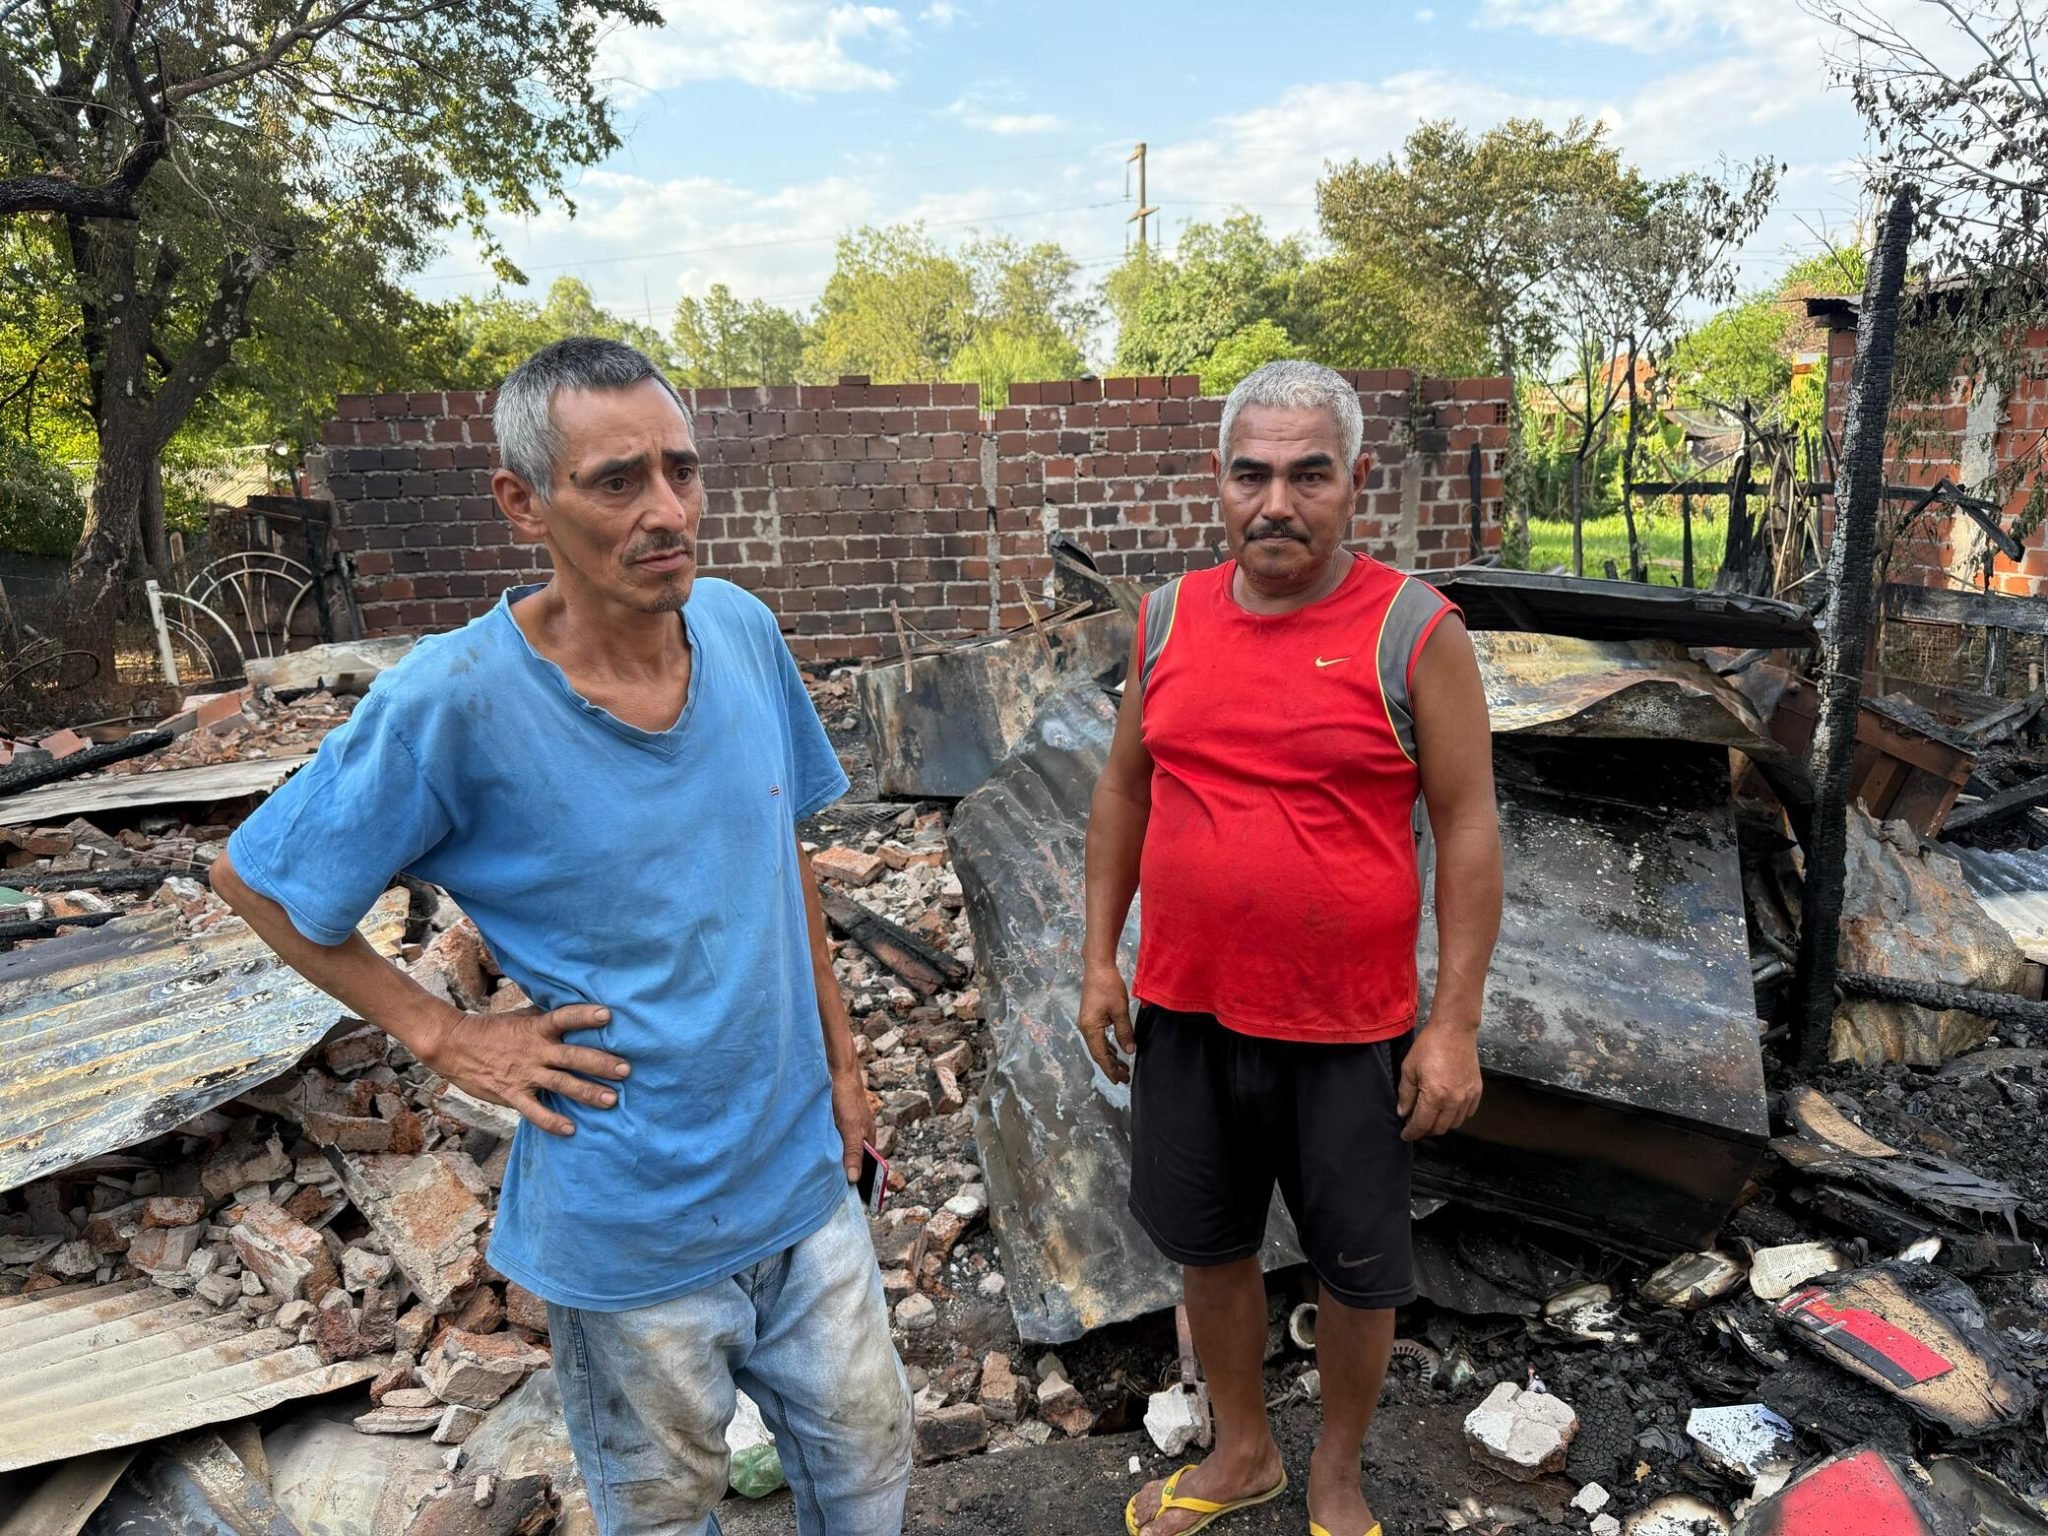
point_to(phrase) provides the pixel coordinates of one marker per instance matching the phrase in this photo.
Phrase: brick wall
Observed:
(835, 502)
(1963, 437)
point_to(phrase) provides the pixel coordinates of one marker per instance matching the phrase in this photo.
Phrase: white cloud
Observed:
(1020, 122)
(794, 46)
(1655, 26)
(640, 243)
(940, 13)
(977, 110)
(1270, 158)
(1425, 16)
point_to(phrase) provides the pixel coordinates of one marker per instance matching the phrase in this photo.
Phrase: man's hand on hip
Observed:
(854, 1116)
(1106, 1008)
(510, 1058)
(1440, 1083)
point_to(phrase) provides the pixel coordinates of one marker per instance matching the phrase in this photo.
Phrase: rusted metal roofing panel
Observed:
(1610, 688)
(93, 1368)
(173, 786)
(122, 1032)
(2012, 887)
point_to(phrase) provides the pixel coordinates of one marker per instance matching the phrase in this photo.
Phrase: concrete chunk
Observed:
(1523, 1434)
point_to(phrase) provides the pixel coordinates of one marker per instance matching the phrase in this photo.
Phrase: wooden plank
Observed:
(2005, 804)
(1879, 788)
(1981, 610)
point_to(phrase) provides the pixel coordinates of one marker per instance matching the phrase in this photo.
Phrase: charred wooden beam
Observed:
(920, 967)
(2003, 806)
(17, 778)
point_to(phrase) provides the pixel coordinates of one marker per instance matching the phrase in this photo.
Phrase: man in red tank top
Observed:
(1283, 713)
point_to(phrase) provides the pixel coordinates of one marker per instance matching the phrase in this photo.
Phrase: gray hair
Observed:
(529, 441)
(1297, 386)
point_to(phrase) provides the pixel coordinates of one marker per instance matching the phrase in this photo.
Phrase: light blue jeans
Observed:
(648, 1393)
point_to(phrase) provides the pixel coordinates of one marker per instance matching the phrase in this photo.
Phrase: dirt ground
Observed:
(1415, 1468)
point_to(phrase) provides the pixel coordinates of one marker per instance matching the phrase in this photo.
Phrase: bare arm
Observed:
(1440, 1084)
(1116, 836)
(505, 1058)
(851, 1111)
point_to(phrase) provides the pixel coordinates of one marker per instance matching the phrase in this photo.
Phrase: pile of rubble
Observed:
(1864, 1324)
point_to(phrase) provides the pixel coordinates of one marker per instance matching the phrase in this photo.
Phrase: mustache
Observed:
(660, 544)
(1265, 528)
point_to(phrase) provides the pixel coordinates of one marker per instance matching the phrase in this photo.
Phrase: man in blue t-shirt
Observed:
(606, 772)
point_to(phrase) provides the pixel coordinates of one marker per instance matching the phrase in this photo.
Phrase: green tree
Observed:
(493, 335)
(1174, 311)
(1242, 351)
(1746, 354)
(899, 307)
(186, 153)
(723, 341)
(1372, 313)
(1472, 220)
(896, 307)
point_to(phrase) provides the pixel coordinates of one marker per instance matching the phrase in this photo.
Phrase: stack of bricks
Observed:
(847, 507)
(1967, 435)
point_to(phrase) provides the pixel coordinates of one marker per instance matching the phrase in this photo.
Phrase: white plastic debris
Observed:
(1775, 1273)
(1523, 1434)
(1178, 1418)
(1677, 1514)
(747, 1429)
(1606, 1525)
(1742, 1440)
(1925, 1251)
(1588, 1313)
(1592, 1499)
(1137, 1466)
(1692, 1280)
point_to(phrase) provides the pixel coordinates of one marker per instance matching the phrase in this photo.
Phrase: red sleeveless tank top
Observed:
(1278, 885)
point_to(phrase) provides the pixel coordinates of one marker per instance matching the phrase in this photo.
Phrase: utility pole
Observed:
(1852, 556)
(1144, 208)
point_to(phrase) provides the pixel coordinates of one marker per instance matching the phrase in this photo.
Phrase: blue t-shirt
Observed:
(652, 872)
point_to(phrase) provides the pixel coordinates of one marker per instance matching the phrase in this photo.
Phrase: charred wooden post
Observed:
(1852, 558)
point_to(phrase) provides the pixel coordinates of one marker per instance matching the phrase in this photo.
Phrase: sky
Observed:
(756, 131)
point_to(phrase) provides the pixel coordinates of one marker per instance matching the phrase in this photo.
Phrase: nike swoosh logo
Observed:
(1330, 661)
(1344, 1263)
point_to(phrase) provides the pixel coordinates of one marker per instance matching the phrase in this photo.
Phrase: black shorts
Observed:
(1217, 1118)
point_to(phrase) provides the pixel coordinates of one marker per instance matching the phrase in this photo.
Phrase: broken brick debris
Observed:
(476, 1369)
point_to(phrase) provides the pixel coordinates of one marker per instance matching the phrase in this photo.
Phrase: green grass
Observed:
(1550, 544)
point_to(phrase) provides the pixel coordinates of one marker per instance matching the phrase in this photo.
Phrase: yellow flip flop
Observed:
(1317, 1530)
(1208, 1509)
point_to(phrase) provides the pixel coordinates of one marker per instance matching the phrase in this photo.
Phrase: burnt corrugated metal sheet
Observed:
(120, 1033)
(1625, 1092)
(1498, 599)
(1635, 689)
(1054, 1134)
(1624, 1080)
(938, 725)
(94, 1368)
(172, 786)
(2012, 887)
